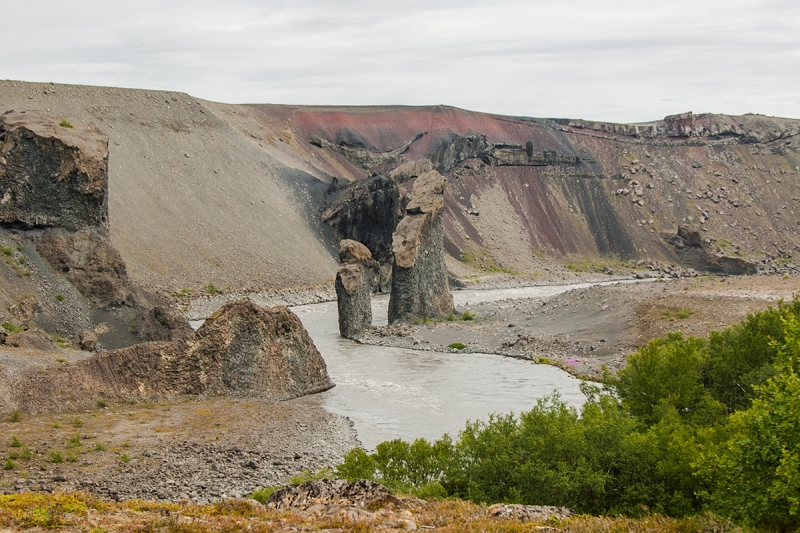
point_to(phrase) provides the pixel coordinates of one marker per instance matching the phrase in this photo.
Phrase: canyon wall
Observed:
(201, 192)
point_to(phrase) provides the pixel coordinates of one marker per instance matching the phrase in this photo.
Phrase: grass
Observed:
(457, 345)
(9, 465)
(543, 361)
(679, 314)
(24, 453)
(99, 447)
(467, 315)
(74, 441)
(15, 415)
(7, 250)
(61, 341)
(211, 289)
(262, 494)
(11, 328)
(60, 360)
(125, 458)
(77, 422)
(56, 457)
(101, 403)
(66, 124)
(15, 442)
(60, 297)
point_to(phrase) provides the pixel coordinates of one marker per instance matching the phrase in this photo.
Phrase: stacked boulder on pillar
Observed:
(354, 280)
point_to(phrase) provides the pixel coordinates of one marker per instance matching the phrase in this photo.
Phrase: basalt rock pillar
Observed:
(419, 274)
(354, 281)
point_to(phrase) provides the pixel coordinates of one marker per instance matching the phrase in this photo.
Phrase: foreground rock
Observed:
(419, 274)
(529, 513)
(241, 350)
(362, 500)
(354, 281)
(313, 495)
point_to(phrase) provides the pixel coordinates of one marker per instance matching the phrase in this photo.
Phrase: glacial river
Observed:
(398, 393)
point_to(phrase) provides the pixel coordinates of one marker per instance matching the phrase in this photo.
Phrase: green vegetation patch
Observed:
(66, 124)
(688, 428)
(457, 345)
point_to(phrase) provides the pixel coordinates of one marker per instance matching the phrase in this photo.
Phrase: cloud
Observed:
(622, 60)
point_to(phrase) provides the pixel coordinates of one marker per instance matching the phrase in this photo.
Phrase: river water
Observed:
(399, 393)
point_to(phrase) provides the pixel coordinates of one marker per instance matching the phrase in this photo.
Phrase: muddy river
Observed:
(398, 393)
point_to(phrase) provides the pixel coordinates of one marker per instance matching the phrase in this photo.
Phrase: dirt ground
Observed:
(581, 330)
(196, 450)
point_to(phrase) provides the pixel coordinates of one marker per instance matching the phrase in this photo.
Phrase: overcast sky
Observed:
(614, 60)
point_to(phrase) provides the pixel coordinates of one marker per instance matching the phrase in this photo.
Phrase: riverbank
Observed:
(199, 450)
(584, 329)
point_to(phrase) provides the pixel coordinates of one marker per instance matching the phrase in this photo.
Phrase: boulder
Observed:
(354, 281)
(363, 493)
(162, 323)
(694, 252)
(529, 513)
(353, 252)
(52, 173)
(419, 274)
(241, 350)
(411, 169)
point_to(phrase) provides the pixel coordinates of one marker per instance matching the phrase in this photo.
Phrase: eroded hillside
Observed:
(201, 192)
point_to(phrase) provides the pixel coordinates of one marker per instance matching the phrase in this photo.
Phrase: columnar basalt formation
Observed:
(52, 173)
(241, 350)
(354, 281)
(419, 274)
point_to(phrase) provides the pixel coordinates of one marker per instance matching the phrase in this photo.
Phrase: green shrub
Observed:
(211, 289)
(77, 422)
(755, 475)
(457, 345)
(56, 457)
(467, 315)
(24, 453)
(101, 403)
(60, 297)
(15, 415)
(74, 441)
(65, 124)
(15, 442)
(7, 250)
(262, 494)
(99, 447)
(125, 458)
(305, 475)
(9, 465)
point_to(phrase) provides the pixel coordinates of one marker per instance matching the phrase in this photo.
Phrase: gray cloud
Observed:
(622, 60)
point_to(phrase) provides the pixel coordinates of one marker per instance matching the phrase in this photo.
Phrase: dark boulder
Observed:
(241, 350)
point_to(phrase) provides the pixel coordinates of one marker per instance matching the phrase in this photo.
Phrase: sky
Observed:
(610, 60)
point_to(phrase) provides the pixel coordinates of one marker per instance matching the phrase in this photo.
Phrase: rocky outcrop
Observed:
(354, 281)
(419, 274)
(698, 253)
(366, 211)
(241, 350)
(363, 493)
(529, 513)
(411, 169)
(87, 259)
(52, 173)
(365, 156)
(162, 323)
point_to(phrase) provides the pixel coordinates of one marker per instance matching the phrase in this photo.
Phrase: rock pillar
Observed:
(419, 274)
(354, 281)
